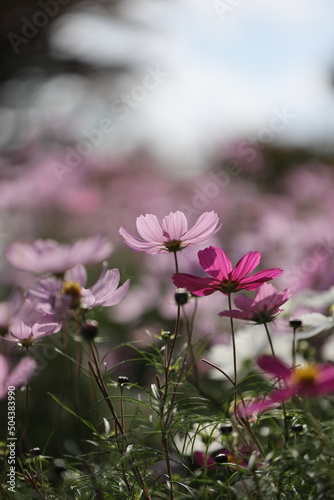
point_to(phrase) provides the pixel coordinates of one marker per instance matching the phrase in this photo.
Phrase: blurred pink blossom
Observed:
(17, 377)
(49, 256)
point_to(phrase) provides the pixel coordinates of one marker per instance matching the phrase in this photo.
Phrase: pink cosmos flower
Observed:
(263, 308)
(49, 256)
(308, 381)
(224, 278)
(172, 235)
(17, 377)
(55, 295)
(26, 334)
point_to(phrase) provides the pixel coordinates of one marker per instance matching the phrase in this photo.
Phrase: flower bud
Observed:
(295, 323)
(90, 329)
(181, 297)
(122, 380)
(221, 458)
(226, 429)
(297, 428)
(35, 451)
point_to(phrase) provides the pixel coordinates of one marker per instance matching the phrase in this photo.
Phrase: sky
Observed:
(229, 68)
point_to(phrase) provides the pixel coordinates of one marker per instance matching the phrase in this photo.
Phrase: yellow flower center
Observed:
(73, 289)
(305, 374)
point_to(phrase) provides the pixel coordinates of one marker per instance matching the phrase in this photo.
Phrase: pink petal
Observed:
(265, 290)
(274, 366)
(105, 289)
(174, 225)
(246, 265)
(194, 284)
(255, 280)
(149, 228)
(203, 460)
(136, 243)
(22, 372)
(215, 262)
(78, 274)
(234, 313)
(325, 380)
(204, 227)
(243, 302)
(20, 330)
(260, 406)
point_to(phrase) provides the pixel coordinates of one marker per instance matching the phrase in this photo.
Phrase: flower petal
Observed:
(194, 284)
(243, 302)
(78, 274)
(215, 262)
(204, 227)
(246, 265)
(149, 228)
(174, 225)
(255, 280)
(274, 366)
(137, 244)
(234, 313)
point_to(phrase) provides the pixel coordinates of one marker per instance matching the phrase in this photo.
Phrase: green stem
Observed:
(269, 339)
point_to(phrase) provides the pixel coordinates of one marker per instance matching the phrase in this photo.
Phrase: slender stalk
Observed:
(269, 339)
(121, 407)
(294, 347)
(234, 357)
(233, 342)
(286, 423)
(99, 380)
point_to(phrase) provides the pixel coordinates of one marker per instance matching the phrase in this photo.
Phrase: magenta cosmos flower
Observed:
(225, 278)
(17, 377)
(49, 256)
(172, 235)
(308, 381)
(263, 308)
(55, 295)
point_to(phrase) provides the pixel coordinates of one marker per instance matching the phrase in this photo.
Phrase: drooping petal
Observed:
(137, 244)
(204, 227)
(196, 285)
(174, 225)
(246, 265)
(274, 366)
(215, 262)
(234, 313)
